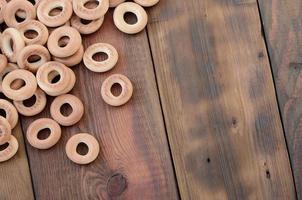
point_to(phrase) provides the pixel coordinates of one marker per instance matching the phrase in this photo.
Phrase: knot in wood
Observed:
(116, 185)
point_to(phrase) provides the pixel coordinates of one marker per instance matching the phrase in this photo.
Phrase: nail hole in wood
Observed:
(234, 122)
(268, 174)
(260, 54)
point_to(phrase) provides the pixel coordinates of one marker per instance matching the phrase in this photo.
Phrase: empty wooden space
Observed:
(211, 78)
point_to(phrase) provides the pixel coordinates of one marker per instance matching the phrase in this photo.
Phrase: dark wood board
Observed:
(15, 180)
(134, 162)
(282, 21)
(219, 101)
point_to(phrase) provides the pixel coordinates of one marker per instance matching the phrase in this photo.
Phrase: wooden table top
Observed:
(216, 111)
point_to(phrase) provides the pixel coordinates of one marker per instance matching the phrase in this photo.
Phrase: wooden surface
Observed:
(15, 180)
(282, 24)
(134, 162)
(204, 121)
(219, 102)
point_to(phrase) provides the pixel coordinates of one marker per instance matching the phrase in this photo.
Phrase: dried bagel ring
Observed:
(40, 30)
(11, 9)
(76, 105)
(37, 126)
(123, 97)
(90, 13)
(2, 4)
(47, 72)
(137, 10)
(5, 130)
(10, 150)
(11, 51)
(146, 3)
(72, 80)
(22, 14)
(100, 66)
(3, 62)
(74, 43)
(114, 3)
(39, 52)
(44, 12)
(90, 141)
(26, 91)
(36, 108)
(71, 60)
(10, 67)
(10, 112)
(86, 26)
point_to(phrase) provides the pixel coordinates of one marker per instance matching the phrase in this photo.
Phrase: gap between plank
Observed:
(276, 96)
(27, 155)
(162, 112)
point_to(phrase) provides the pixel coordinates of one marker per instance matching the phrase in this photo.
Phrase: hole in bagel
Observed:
(63, 41)
(82, 149)
(55, 11)
(11, 44)
(3, 113)
(4, 146)
(66, 109)
(116, 89)
(30, 102)
(17, 84)
(33, 58)
(44, 134)
(20, 15)
(85, 21)
(54, 77)
(31, 34)
(91, 4)
(130, 18)
(100, 56)
(33, 2)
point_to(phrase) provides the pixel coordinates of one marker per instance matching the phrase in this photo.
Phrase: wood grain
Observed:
(15, 180)
(282, 21)
(134, 162)
(218, 99)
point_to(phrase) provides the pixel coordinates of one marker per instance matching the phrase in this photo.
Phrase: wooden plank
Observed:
(282, 21)
(15, 180)
(218, 99)
(134, 162)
